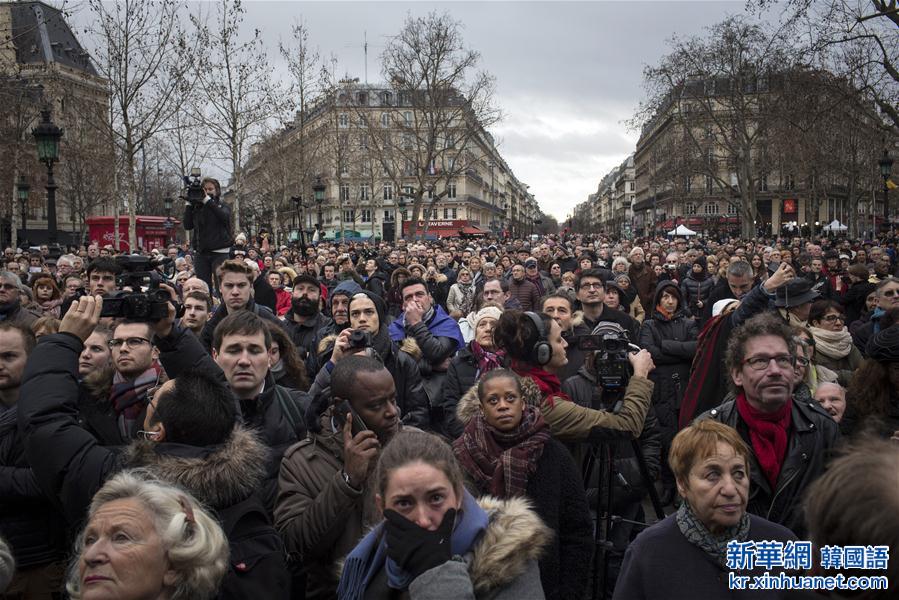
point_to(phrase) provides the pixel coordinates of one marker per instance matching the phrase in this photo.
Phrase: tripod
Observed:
(601, 461)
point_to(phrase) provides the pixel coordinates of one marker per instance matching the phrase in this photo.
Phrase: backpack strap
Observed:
(290, 409)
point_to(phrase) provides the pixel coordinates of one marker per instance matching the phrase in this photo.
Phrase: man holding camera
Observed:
(210, 220)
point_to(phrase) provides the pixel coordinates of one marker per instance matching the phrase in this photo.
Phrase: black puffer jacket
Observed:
(813, 439)
(696, 290)
(672, 344)
(70, 466)
(461, 375)
(212, 222)
(28, 521)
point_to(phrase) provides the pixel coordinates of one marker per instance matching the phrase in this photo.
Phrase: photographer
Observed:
(210, 218)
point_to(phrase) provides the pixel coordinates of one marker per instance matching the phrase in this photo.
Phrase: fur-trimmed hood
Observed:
(469, 404)
(514, 537)
(219, 476)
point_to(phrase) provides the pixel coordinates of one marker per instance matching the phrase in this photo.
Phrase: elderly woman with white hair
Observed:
(479, 356)
(145, 539)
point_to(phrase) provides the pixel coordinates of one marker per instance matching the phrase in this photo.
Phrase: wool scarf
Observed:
(664, 312)
(833, 344)
(769, 433)
(370, 555)
(468, 291)
(487, 360)
(699, 535)
(502, 462)
(128, 397)
(549, 384)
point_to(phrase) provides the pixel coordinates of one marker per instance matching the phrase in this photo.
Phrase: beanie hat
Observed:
(487, 311)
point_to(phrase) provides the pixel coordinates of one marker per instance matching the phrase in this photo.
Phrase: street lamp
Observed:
(298, 201)
(318, 191)
(22, 194)
(401, 204)
(47, 136)
(169, 225)
(886, 169)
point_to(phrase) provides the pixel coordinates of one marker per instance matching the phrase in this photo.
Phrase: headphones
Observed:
(541, 353)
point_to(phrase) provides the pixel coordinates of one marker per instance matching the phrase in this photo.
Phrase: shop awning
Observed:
(473, 230)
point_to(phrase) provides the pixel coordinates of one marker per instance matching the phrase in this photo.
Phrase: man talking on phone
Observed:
(324, 478)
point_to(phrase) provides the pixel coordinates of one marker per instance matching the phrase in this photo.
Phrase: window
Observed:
(711, 208)
(409, 168)
(386, 98)
(404, 98)
(365, 215)
(633, 186)
(388, 216)
(408, 191)
(344, 165)
(363, 121)
(451, 191)
(366, 168)
(385, 119)
(362, 98)
(407, 118)
(405, 215)
(407, 141)
(449, 213)
(344, 192)
(791, 182)
(449, 141)
(349, 216)
(388, 191)
(710, 156)
(731, 208)
(690, 208)
(688, 184)
(343, 120)
(763, 183)
(363, 141)
(364, 192)
(430, 193)
(709, 184)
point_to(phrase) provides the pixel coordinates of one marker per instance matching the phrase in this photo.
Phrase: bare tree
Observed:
(141, 51)
(235, 94)
(721, 92)
(441, 109)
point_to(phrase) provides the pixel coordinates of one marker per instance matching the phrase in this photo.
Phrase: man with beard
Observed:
(643, 278)
(325, 479)
(11, 309)
(791, 441)
(304, 319)
(28, 522)
(236, 288)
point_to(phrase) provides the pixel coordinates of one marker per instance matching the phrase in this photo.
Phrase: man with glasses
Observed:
(591, 292)
(11, 309)
(136, 371)
(791, 440)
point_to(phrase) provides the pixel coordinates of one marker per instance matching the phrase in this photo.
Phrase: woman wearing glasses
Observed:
(833, 342)
(808, 374)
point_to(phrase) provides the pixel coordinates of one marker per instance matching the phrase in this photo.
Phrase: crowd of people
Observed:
(420, 419)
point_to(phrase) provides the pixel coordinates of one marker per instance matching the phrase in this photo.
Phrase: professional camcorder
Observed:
(145, 301)
(610, 346)
(193, 188)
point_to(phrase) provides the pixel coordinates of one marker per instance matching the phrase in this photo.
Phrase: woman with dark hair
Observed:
(436, 540)
(285, 364)
(873, 396)
(833, 342)
(857, 292)
(507, 451)
(758, 267)
(535, 350)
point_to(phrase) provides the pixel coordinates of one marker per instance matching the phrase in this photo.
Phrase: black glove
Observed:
(417, 550)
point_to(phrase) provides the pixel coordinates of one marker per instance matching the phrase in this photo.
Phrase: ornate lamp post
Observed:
(298, 201)
(318, 191)
(22, 188)
(169, 225)
(886, 169)
(401, 205)
(47, 136)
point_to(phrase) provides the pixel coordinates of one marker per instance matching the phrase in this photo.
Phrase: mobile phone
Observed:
(341, 409)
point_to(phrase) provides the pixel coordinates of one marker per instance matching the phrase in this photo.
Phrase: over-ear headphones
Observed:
(541, 352)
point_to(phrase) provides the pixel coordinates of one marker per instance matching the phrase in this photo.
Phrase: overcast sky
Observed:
(568, 73)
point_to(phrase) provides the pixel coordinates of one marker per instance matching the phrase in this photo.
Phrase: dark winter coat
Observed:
(557, 493)
(306, 336)
(813, 439)
(693, 291)
(672, 344)
(70, 466)
(821, 284)
(853, 300)
(662, 564)
(644, 280)
(212, 222)
(376, 283)
(462, 374)
(264, 293)
(526, 293)
(208, 333)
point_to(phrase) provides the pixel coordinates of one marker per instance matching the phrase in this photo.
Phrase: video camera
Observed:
(193, 188)
(610, 348)
(146, 302)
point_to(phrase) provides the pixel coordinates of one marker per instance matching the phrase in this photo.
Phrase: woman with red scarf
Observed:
(535, 350)
(507, 451)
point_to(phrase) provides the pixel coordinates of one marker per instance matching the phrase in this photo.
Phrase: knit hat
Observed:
(380, 305)
(702, 261)
(487, 311)
(884, 345)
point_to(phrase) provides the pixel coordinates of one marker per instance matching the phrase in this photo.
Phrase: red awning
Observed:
(473, 230)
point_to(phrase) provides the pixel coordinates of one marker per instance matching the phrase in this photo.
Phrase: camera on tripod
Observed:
(146, 302)
(193, 188)
(610, 345)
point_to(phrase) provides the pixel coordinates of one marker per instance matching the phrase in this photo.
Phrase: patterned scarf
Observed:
(467, 290)
(487, 360)
(769, 433)
(501, 463)
(549, 384)
(699, 535)
(128, 397)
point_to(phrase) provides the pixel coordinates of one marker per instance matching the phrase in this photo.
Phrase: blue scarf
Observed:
(440, 325)
(367, 558)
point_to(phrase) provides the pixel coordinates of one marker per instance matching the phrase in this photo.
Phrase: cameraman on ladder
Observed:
(210, 220)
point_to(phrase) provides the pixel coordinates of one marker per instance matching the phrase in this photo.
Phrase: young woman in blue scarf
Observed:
(436, 540)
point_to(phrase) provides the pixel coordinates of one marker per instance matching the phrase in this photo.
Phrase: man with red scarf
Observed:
(791, 441)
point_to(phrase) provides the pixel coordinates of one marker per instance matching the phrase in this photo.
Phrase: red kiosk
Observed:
(152, 232)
